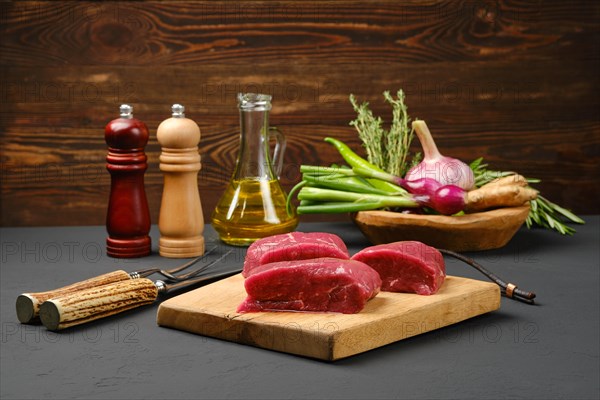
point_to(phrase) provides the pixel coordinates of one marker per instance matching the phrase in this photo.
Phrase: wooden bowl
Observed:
(469, 232)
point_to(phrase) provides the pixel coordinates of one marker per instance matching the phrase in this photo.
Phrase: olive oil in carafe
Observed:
(251, 209)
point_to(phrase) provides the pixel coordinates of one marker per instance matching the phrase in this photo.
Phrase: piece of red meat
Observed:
(321, 284)
(409, 266)
(294, 246)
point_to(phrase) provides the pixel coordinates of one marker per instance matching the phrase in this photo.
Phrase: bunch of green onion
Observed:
(340, 190)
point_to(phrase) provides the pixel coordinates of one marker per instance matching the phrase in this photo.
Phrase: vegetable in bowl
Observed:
(394, 179)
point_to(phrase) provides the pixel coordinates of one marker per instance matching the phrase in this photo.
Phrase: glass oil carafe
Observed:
(254, 203)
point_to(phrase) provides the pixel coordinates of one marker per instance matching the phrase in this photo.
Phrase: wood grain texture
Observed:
(387, 318)
(128, 215)
(181, 221)
(513, 81)
(471, 232)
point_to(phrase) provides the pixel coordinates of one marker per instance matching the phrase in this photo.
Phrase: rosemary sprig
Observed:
(389, 150)
(542, 212)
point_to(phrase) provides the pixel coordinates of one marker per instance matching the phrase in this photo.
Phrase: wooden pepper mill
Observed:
(128, 218)
(181, 222)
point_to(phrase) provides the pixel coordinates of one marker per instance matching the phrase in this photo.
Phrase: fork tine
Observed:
(146, 272)
(190, 263)
(199, 270)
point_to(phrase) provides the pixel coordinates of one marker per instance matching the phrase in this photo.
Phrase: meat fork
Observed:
(103, 301)
(28, 304)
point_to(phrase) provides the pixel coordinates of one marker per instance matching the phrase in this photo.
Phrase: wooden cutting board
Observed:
(387, 318)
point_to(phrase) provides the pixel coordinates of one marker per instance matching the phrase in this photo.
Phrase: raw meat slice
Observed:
(409, 266)
(320, 284)
(294, 246)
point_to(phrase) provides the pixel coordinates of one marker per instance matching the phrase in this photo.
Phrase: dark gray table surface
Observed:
(545, 351)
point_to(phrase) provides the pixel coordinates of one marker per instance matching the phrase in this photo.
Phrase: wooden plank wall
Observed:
(515, 81)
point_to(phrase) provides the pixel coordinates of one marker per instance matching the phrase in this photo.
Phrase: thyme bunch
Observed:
(387, 149)
(400, 135)
(370, 131)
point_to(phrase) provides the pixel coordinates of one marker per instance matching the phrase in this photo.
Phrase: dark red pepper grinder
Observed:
(128, 217)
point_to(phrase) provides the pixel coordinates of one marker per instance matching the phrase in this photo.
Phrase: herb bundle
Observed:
(387, 149)
(543, 212)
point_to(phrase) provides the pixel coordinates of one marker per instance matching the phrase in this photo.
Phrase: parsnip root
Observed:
(494, 195)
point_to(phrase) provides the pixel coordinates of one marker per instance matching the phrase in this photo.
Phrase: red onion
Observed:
(445, 170)
(428, 192)
(448, 199)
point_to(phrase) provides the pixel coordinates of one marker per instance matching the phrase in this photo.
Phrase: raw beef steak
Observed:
(410, 266)
(320, 284)
(294, 246)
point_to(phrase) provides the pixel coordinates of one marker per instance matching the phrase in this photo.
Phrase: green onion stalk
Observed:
(339, 201)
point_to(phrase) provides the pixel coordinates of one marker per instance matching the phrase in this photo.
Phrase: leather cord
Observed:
(508, 289)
